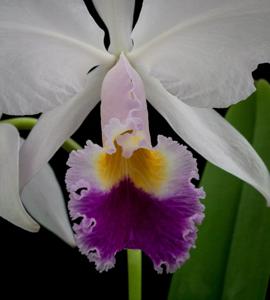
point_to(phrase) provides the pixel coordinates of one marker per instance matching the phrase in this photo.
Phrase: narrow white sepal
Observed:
(11, 207)
(57, 125)
(44, 200)
(211, 136)
(118, 17)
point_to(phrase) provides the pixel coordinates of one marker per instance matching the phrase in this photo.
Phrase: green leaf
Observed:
(231, 261)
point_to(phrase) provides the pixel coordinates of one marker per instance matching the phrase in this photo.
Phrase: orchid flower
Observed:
(186, 57)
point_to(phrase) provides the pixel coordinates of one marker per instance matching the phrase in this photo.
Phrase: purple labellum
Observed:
(128, 194)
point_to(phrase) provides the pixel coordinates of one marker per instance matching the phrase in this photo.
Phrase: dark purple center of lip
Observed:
(128, 217)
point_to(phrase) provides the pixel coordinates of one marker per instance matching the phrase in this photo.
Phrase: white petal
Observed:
(44, 200)
(118, 17)
(211, 136)
(57, 125)
(206, 50)
(47, 48)
(11, 207)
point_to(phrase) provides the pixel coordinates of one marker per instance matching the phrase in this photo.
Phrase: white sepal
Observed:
(211, 136)
(44, 200)
(11, 207)
(118, 17)
(57, 125)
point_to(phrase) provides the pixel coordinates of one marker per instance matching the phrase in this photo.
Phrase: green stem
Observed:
(29, 123)
(134, 274)
(21, 123)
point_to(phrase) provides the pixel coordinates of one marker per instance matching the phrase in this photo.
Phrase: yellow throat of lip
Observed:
(146, 168)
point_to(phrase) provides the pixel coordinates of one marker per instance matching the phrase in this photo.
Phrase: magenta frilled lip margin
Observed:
(128, 194)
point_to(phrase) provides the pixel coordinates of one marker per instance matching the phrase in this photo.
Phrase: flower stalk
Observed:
(134, 274)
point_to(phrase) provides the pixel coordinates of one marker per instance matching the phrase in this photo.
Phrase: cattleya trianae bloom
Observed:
(188, 57)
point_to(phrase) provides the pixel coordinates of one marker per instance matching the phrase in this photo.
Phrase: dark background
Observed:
(41, 265)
